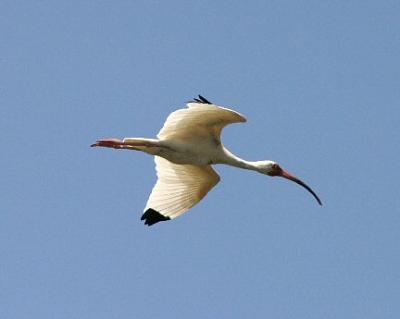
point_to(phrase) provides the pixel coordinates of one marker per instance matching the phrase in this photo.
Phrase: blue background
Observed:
(319, 84)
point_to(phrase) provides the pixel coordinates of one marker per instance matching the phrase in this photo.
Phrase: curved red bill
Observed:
(293, 178)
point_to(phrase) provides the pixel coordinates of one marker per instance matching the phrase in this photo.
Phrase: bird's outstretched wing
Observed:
(201, 118)
(178, 188)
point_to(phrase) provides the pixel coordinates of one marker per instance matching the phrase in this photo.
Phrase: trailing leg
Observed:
(129, 143)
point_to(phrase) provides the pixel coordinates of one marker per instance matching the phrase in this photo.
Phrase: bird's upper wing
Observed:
(178, 188)
(199, 119)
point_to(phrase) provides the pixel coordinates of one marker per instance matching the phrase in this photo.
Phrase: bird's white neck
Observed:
(233, 160)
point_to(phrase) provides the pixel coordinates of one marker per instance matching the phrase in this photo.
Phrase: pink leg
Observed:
(119, 144)
(110, 142)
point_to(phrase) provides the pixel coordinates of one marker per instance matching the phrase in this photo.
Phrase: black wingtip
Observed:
(152, 217)
(201, 99)
(204, 100)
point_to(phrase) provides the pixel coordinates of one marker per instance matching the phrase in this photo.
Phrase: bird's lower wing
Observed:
(178, 188)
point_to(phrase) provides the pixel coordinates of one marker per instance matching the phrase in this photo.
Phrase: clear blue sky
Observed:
(319, 82)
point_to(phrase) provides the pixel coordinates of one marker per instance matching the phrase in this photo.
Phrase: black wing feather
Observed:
(201, 99)
(152, 217)
(204, 100)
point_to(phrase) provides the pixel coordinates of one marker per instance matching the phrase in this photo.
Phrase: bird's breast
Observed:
(201, 152)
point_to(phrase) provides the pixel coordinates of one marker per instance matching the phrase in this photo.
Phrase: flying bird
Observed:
(186, 147)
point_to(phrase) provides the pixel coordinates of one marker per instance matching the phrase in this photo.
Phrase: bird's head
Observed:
(272, 168)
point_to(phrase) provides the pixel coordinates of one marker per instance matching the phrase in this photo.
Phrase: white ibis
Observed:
(187, 146)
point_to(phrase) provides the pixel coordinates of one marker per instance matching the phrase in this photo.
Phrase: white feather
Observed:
(198, 120)
(179, 187)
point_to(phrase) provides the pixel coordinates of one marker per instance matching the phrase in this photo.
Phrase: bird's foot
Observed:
(110, 142)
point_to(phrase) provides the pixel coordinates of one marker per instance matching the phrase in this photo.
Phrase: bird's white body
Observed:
(187, 145)
(207, 151)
